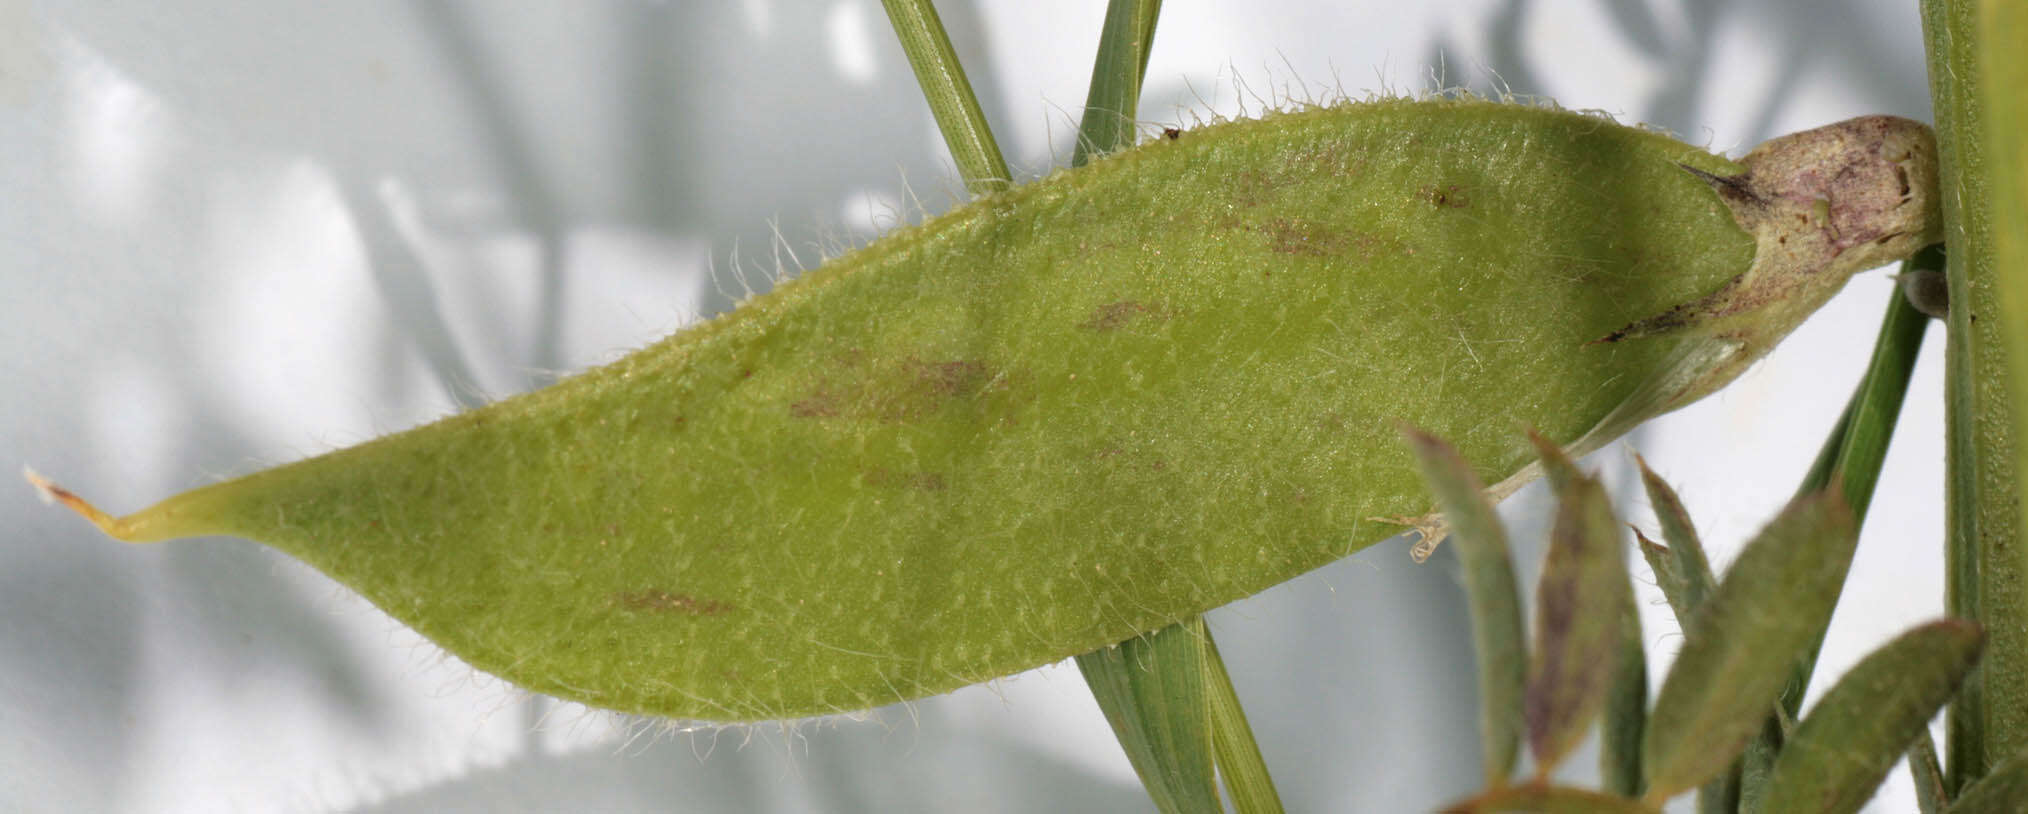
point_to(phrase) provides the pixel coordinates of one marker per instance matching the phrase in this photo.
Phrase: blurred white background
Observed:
(238, 233)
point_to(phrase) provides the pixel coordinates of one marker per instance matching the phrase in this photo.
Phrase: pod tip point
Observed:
(52, 493)
(43, 488)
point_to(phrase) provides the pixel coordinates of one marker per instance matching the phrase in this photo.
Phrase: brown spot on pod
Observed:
(1113, 316)
(821, 404)
(1445, 196)
(1300, 237)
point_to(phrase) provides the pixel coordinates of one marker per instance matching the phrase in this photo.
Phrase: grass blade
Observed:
(1876, 404)
(1579, 603)
(1152, 692)
(949, 94)
(1838, 755)
(1740, 647)
(1239, 762)
(1492, 596)
(1115, 96)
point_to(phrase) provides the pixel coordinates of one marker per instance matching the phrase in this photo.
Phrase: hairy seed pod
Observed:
(1082, 409)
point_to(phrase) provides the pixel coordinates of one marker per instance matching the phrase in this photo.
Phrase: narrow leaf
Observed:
(1740, 647)
(949, 94)
(1626, 708)
(1557, 467)
(2002, 791)
(1492, 596)
(1151, 689)
(1930, 795)
(1239, 762)
(1684, 574)
(1838, 755)
(1577, 619)
(1692, 569)
(1537, 798)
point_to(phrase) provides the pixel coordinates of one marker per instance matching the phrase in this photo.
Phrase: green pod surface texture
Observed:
(1065, 414)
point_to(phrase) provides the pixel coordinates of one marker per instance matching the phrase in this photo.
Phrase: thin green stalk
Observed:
(1246, 776)
(1151, 689)
(1116, 86)
(1108, 122)
(1851, 457)
(1819, 475)
(1928, 775)
(1979, 487)
(949, 94)
(1876, 405)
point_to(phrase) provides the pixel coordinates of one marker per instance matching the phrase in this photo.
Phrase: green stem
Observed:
(1979, 487)
(1851, 458)
(949, 94)
(1246, 776)
(1876, 406)
(2003, 562)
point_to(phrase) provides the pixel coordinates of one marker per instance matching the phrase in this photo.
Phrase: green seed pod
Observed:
(1081, 409)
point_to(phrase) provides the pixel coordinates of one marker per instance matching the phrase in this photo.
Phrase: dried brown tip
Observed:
(1430, 528)
(52, 493)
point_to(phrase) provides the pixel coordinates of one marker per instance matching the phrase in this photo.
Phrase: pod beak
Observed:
(52, 493)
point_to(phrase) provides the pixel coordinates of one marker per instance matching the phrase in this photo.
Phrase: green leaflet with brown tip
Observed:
(1047, 421)
(1577, 615)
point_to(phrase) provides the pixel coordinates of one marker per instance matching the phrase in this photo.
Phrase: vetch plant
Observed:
(1070, 362)
(1046, 422)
